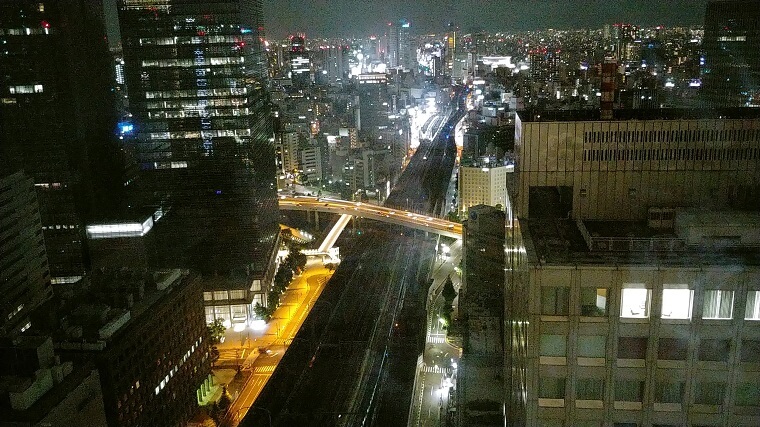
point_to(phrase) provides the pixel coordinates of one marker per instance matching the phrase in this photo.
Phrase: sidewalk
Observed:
(241, 349)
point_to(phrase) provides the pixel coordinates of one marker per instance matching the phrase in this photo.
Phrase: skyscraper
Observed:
(58, 119)
(731, 74)
(24, 273)
(196, 77)
(300, 64)
(406, 57)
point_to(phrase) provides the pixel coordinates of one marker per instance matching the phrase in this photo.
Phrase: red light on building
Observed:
(45, 24)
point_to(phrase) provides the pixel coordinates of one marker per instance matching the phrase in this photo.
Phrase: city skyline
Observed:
(249, 213)
(316, 18)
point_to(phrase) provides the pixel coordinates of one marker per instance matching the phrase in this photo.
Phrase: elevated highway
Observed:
(378, 213)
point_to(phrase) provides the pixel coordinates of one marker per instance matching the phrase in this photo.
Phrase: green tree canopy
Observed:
(216, 330)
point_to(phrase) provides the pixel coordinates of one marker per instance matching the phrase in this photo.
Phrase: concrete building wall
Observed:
(601, 367)
(618, 169)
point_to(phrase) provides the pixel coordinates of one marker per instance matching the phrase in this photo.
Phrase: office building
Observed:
(123, 348)
(300, 62)
(58, 119)
(400, 52)
(287, 149)
(631, 245)
(24, 272)
(196, 77)
(373, 102)
(480, 393)
(482, 183)
(731, 45)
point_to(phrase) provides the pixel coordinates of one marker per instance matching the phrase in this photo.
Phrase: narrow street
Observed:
(435, 381)
(258, 352)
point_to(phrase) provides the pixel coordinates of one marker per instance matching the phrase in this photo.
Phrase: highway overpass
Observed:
(378, 213)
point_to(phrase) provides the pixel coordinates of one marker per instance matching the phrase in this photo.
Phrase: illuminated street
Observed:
(261, 350)
(436, 375)
(393, 216)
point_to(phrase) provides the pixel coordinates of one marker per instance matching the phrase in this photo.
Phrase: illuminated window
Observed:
(208, 296)
(220, 295)
(753, 306)
(718, 305)
(41, 7)
(676, 303)
(635, 303)
(237, 294)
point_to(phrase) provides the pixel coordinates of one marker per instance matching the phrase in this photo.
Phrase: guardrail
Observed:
(630, 244)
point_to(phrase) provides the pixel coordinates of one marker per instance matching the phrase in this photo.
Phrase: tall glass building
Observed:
(196, 77)
(57, 119)
(731, 73)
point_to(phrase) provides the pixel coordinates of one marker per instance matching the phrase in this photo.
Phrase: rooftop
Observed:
(567, 241)
(537, 115)
(91, 315)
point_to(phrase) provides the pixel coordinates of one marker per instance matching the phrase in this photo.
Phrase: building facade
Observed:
(731, 45)
(196, 77)
(24, 273)
(638, 297)
(617, 169)
(482, 185)
(480, 393)
(58, 119)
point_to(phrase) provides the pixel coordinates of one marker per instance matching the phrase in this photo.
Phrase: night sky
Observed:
(344, 18)
(325, 18)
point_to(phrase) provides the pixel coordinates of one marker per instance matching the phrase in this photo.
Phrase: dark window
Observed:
(632, 348)
(589, 389)
(629, 391)
(709, 393)
(714, 350)
(555, 300)
(668, 392)
(551, 388)
(672, 349)
(750, 351)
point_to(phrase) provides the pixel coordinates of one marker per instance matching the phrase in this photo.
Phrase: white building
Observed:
(482, 185)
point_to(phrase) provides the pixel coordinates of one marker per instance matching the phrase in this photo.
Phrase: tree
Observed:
(282, 278)
(273, 301)
(263, 312)
(453, 217)
(216, 330)
(449, 293)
